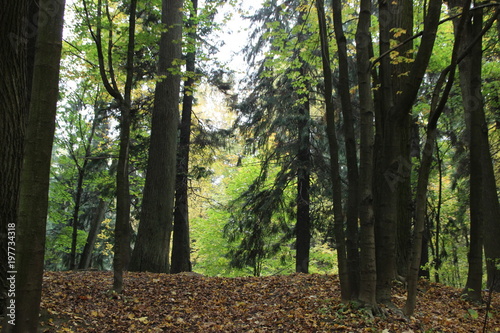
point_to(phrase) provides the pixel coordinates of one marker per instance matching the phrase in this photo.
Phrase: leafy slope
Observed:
(81, 302)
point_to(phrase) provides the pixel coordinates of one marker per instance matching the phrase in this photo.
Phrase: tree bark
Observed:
(303, 225)
(368, 273)
(351, 154)
(122, 222)
(95, 225)
(13, 115)
(34, 185)
(392, 167)
(334, 156)
(181, 247)
(151, 251)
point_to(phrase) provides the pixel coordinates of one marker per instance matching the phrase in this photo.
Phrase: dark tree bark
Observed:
(437, 106)
(303, 202)
(303, 225)
(391, 168)
(18, 20)
(122, 224)
(334, 156)
(95, 225)
(368, 273)
(13, 114)
(483, 200)
(181, 247)
(34, 185)
(351, 154)
(151, 251)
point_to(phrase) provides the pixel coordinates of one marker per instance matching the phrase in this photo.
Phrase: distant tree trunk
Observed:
(34, 185)
(122, 223)
(303, 225)
(121, 257)
(95, 225)
(181, 246)
(351, 152)
(368, 273)
(82, 170)
(151, 251)
(334, 156)
(13, 115)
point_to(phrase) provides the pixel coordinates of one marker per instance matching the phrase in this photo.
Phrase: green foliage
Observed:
(59, 243)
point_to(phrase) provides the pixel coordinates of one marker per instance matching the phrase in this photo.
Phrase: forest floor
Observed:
(82, 302)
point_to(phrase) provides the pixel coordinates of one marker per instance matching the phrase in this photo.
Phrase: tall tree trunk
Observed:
(491, 206)
(391, 167)
(151, 251)
(437, 106)
(122, 224)
(181, 247)
(303, 225)
(95, 225)
(388, 165)
(368, 273)
(484, 206)
(34, 185)
(334, 156)
(351, 154)
(13, 114)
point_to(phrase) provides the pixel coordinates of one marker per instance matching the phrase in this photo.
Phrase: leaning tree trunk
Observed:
(437, 106)
(35, 175)
(151, 251)
(181, 247)
(95, 225)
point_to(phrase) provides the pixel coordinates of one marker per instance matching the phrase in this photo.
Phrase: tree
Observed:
(437, 106)
(352, 204)
(151, 251)
(124, 101)
(16, 64)
(34, 185)
(334, 155)
(367, 269)
(180, 246)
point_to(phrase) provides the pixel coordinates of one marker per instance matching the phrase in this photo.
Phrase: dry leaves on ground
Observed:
(82, 302)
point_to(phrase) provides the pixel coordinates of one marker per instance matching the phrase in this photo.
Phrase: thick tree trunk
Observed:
(368, 273)
(151, 252)
(95, 225)
(351, 153)
(13, 115)
(181, 247)
(392, 168)
(484, 205)
(334, 157)
(34, 186)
